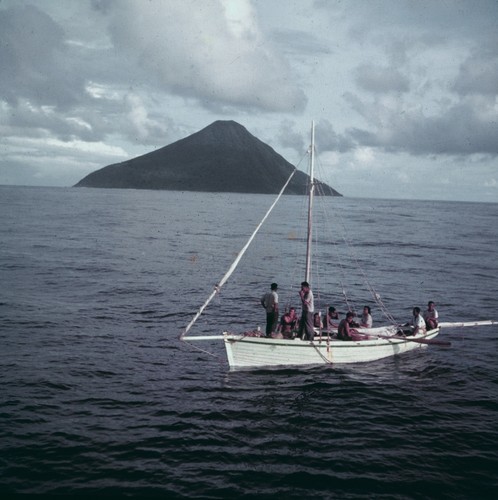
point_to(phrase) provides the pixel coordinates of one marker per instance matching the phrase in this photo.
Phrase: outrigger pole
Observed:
(467, 323)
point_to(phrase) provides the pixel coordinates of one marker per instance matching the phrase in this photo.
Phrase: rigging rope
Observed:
(375, 295)
(232, 268)
(339, 262)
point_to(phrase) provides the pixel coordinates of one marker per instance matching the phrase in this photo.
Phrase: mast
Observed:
(311, 192)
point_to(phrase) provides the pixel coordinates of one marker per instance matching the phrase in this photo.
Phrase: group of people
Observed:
(289, 320)
(310, 319)
(428, 321)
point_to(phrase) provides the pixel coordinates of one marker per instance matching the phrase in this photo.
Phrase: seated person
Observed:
(431, 317)
(354, 323)
(345, 327)
(331, 319)
(317, 321)
(366, 318)
(418, 323)
(288, 323)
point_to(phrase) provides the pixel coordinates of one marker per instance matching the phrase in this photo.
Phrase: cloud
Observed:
(388, 81)
(452, 18)
(34, 120)
(329, 140)
(213, 52)
(53, 162)
(381, 79)
(66, 83)
(44, 92)
(296, 41)
(365, 156)
(422, 102)
(289, 138)
(140, 126)
(478, 74)
(465, 128)
(33, 50)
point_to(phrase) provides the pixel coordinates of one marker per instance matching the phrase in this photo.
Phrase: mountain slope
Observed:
(223, 157)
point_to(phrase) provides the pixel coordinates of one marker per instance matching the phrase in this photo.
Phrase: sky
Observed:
(403, 93)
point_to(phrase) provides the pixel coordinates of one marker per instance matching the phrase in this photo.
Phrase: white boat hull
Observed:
(251, 352)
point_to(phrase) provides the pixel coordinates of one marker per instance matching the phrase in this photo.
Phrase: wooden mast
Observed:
(307, 275)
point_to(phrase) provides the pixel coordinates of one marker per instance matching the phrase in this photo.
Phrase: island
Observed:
(223, 157)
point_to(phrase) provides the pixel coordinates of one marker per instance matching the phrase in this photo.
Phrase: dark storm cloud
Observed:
(32, 53)
(461, 130)
(289, 138)
(329, 140)
(46, 88)
(420, 99)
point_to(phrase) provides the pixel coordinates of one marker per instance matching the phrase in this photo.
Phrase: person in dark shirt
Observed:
(331, 319)
(288, 323)
(306, 323)
(345, 329)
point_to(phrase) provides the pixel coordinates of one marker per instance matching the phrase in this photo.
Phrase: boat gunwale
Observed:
(329, 342)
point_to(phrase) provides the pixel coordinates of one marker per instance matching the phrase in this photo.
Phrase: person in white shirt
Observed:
(418, 322)
(366, 318)
(270, 302)
(431, 316)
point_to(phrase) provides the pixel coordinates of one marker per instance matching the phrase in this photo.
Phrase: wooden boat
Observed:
(251, 350)
(244, 351)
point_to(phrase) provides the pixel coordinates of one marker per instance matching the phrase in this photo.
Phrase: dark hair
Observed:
(331, 309)
(416, 309)
(274, 286)
(368, 309)
(305, 283)
(350, 314)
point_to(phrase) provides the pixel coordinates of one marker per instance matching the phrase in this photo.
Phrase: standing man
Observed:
(270, 302)
(306, 323)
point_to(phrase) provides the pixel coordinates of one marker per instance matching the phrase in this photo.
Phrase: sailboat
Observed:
(252, 350)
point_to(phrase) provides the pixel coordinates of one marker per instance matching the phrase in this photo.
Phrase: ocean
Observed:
(99, 396)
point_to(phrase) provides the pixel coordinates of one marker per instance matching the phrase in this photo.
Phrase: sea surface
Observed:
(98, 395)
